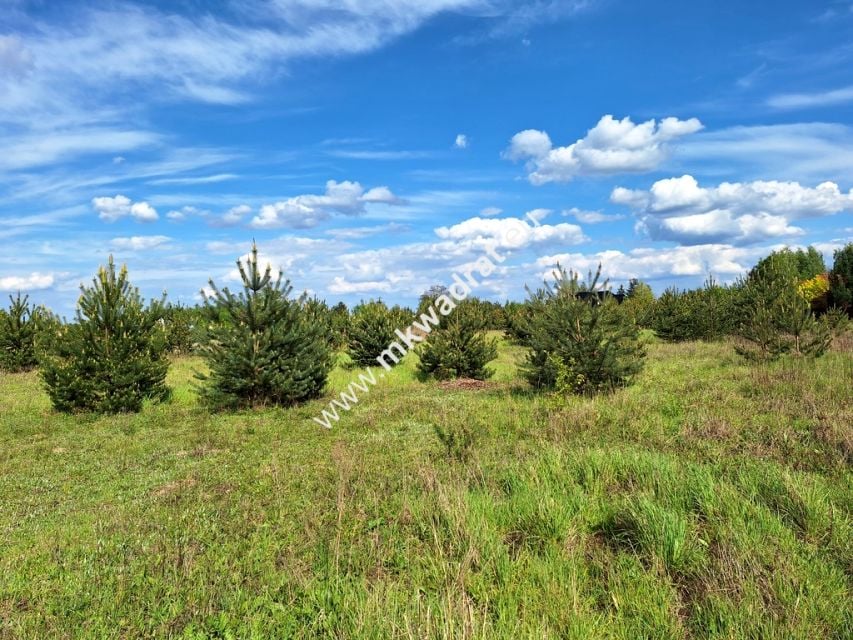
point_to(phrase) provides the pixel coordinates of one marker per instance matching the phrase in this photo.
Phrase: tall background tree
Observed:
(264, 347)
(113, 357)
(841, 280)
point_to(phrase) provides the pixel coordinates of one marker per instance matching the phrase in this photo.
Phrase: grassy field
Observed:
(710, 500)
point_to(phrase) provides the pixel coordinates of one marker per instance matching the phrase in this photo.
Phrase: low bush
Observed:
(458, 347)
(371, 331)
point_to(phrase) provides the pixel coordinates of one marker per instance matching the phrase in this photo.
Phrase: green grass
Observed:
(710, 500)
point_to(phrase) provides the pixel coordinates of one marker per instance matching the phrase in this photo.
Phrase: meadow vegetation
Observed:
(710, 499)
(700, 495)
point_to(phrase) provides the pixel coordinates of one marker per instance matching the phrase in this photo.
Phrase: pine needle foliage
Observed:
(841, 279)
(18, 330)
(777, 318)
(459, 347)
(113, 357)
(579, 340)
(371, 330)
(264, 347)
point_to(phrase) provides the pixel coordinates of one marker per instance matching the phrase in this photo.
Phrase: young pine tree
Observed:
(580, 341)
(777, 318)
(18, 329)
(458, 347)
(371, 331)
(112, 357)
(841, 280)
(639, 303)
(264, 347)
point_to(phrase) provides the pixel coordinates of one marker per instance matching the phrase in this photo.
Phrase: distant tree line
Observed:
(263, 345)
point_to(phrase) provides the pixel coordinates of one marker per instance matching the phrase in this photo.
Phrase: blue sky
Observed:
(374, 147)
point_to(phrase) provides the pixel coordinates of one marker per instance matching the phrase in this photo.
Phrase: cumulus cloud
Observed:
(139, 243)
(31, 282)
(112, 208)
(304, 211)
(461, 141)
(652, 263)
(610, 147)
(491, 212)
(510, 233)
(680, 210)
(591, 217)
(235, 215)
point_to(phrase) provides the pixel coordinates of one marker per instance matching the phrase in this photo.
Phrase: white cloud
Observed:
(178, 215)
(235, 215)
(591, 217)
(304, 211)
(814, 151)
(491, 212)
(678, 209)
(461, 141)
(790, 101)
(143, 212)
(218, 177)
(341, 285)
(39, 148)
(75, 78)
(610, 147)
(355, 233)
(509, 233)
(381, 195)
(139, 243)
(31, 282)
(654, 263)
(112, 208)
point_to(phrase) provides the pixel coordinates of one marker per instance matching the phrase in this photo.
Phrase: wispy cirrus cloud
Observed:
(817, 99)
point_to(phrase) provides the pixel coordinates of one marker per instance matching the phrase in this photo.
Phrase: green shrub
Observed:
(709, 313)
(777, 318)
(184, 328)
(18, 329)
(518, 319)
(841, 280)
(458, 347)
(265, 348)
(371, 331)
(580, 338)
(340, 321)
(113, 357)
(639, 303)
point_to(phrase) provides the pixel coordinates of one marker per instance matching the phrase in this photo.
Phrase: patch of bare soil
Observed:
(464, 384)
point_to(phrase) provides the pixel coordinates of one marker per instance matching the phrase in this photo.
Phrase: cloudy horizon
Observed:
(371, 148)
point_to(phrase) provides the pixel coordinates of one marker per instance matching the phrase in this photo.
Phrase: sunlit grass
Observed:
(710, 499)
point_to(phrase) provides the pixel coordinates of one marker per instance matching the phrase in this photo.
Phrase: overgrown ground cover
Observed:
(711, 499)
